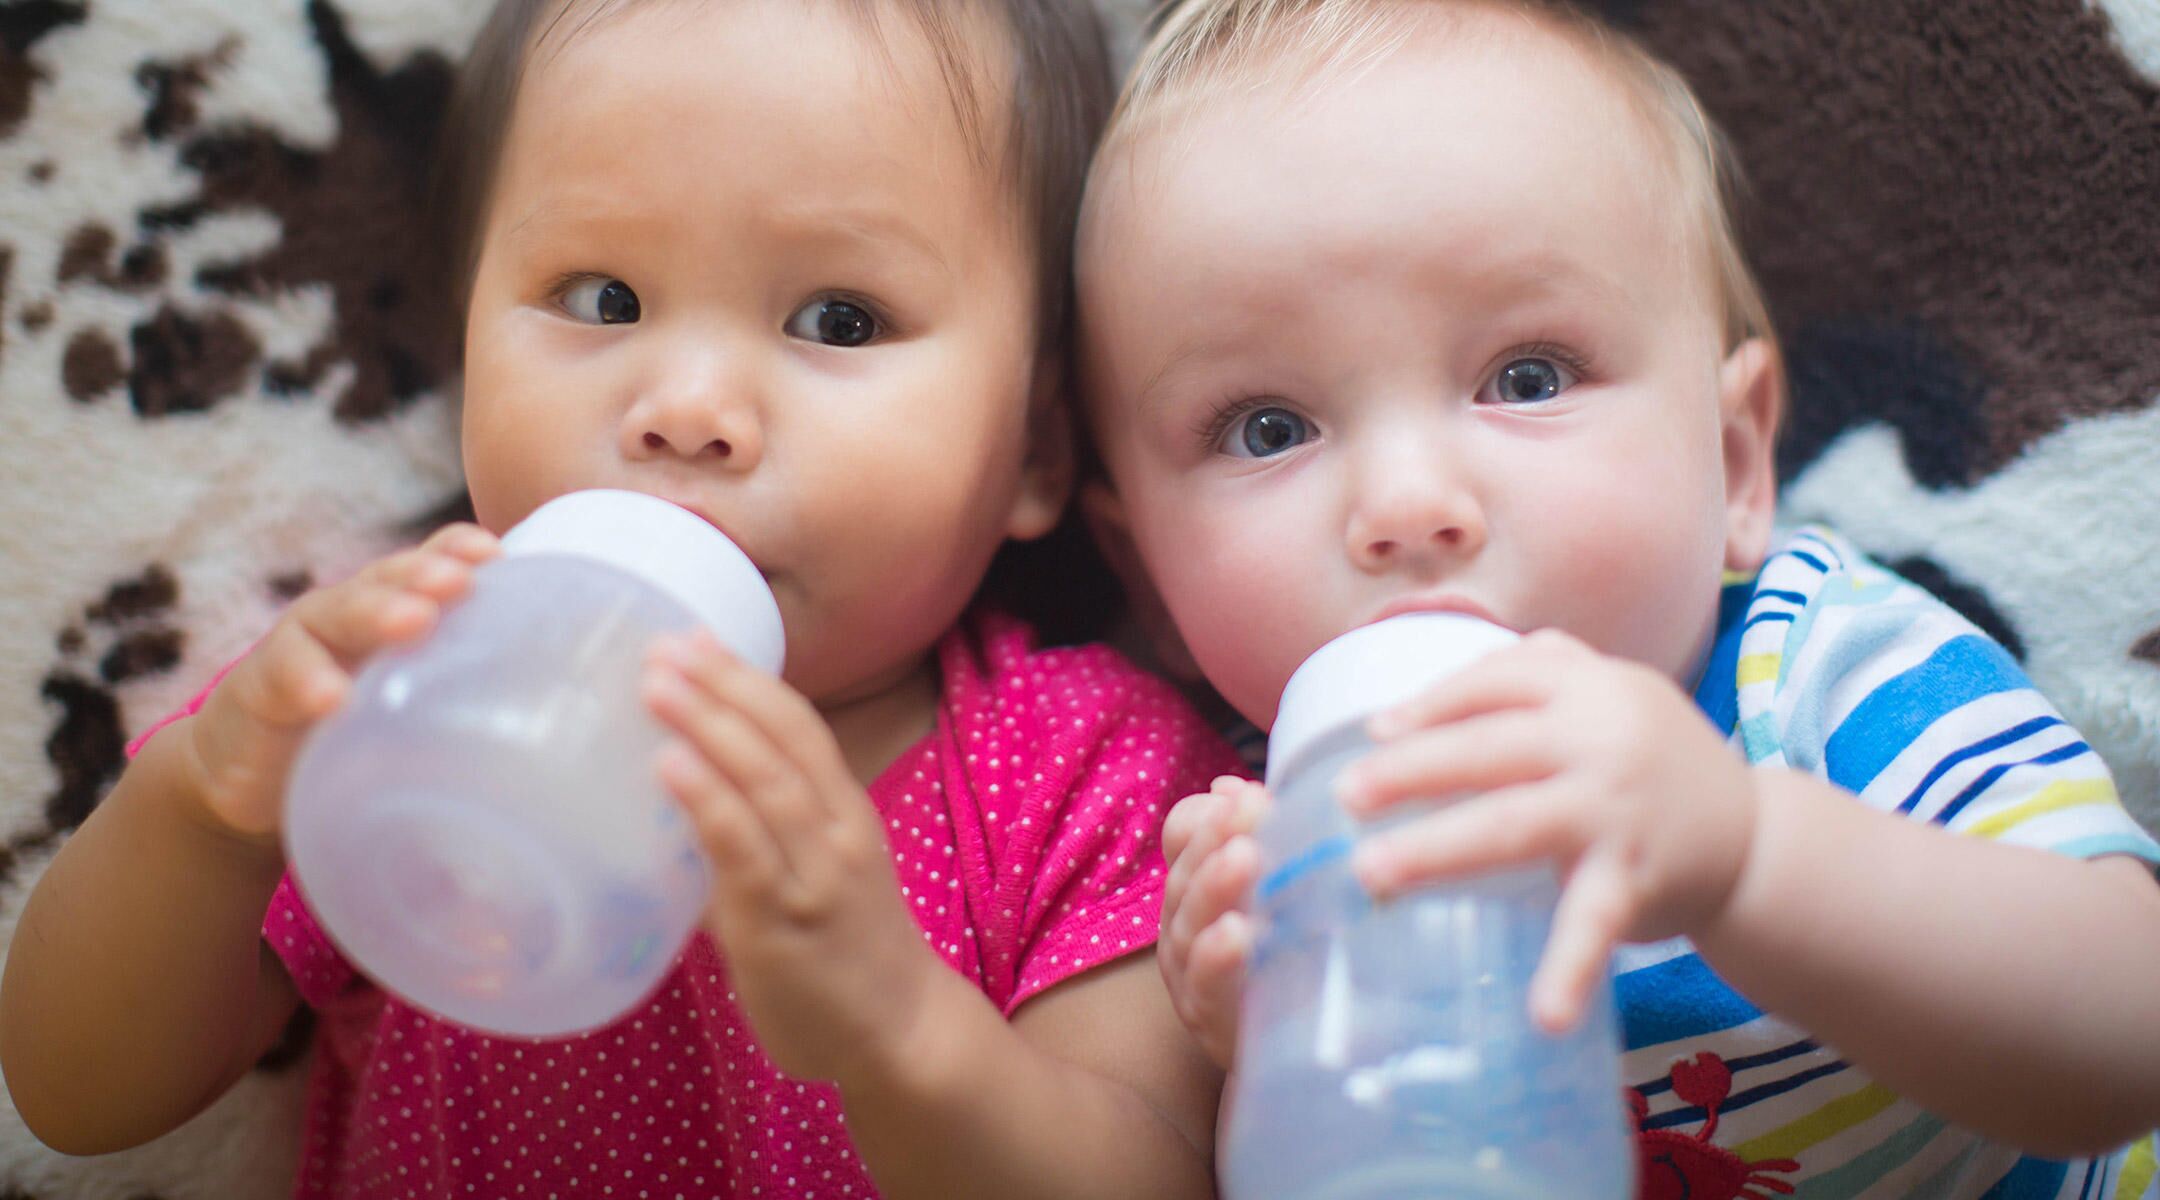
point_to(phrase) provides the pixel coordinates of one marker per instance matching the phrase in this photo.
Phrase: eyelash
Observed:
(1576, 362)
(570, 279)
(1217, 419)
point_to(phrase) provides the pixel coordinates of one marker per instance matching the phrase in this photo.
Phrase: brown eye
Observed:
(601, 302)
(834, 323)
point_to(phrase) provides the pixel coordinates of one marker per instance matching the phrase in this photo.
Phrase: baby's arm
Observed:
(2006, 988)
(1093, 1089)
(138, 987)
(2009, 989)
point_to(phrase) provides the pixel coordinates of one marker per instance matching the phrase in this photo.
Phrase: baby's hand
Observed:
(242, 744)
(1599, 766)
(1207, 936)
(825, 959)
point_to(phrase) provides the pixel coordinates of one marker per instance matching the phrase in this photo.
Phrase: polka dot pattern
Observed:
(1025, 833)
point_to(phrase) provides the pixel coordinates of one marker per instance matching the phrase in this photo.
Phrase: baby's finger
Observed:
(1214, 980)
(1521, 675)
(1201, 843)
(784, 720)
(1188, 816)
(290, 679)
(1478, 754)
(733, 750)
(465, 541)
(1596, 908)
(746, 861)
(359, 617)
(1511, 828)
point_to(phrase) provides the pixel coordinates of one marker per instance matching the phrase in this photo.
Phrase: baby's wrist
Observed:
(911, 1057)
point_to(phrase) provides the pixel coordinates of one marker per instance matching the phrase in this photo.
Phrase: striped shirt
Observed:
(1827, 663)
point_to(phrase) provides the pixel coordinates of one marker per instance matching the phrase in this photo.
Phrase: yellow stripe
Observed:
(2067, 793)
(1759, 668)
(2137, 1171)
(1841, 1114)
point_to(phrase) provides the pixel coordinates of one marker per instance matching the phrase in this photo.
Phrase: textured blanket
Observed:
(222, 376)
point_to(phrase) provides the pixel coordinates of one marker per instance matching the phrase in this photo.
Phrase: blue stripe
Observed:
(1765, 618)
(1894, 715)
(2030, 1179)
(1715, 693)
(1810, 560)
(2085, 1190)
(1781, 594)
(2014, 734)
(1678, 998)
(1987, 778)
(1745, 1063)
(1740, 1100)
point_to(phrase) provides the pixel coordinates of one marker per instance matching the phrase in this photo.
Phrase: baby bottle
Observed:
(1386, 1048)
(481, 828)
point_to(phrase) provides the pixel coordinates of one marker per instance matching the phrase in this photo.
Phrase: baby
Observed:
(801, 267)
(1402, 305)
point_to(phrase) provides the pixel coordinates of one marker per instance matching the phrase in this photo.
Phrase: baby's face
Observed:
(1426, 335)
(742, 257)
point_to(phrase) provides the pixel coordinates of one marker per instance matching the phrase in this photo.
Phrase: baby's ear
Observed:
(1161, 650)
(1046, 476)
(1751, 401)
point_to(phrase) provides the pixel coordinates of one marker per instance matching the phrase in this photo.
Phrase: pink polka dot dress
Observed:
(1025, 833)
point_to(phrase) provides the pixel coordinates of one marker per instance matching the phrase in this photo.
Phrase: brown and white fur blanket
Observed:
(222, 376)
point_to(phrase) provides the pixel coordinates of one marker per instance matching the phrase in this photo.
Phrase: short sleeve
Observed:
(1082, 869)
(1892, 695)
(318, 970)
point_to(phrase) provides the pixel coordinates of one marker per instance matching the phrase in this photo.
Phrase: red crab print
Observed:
(1676, 1166)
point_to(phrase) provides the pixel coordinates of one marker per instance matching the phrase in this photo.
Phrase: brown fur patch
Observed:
(186, 364)
(2148, 648)
(1980, 169)
(22, 23)
(91, 366)
(352, 221)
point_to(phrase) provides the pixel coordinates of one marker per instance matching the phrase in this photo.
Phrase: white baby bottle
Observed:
(480, 828)
(1386, 1049)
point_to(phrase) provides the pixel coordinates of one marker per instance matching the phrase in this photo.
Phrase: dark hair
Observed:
(1060, 92)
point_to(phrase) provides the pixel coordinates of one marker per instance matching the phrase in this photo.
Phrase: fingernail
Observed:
(1385, 725)
(1374, 867)
(1352, 789)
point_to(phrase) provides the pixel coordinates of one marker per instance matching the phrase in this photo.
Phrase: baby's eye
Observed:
(1529, 380)
(1264, 433)
(835, 323)
(601, 302)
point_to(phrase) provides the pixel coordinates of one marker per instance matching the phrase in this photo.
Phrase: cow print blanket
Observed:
(224, 375)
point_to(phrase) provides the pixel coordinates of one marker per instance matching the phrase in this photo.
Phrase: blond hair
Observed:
(1202, 46)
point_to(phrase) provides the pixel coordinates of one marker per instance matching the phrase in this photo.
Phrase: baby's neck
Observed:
(878, 725)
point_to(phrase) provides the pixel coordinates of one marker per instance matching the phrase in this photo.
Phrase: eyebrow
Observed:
(870, 229)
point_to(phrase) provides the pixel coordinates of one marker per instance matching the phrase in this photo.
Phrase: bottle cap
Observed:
(671, 548)
(1369, 670)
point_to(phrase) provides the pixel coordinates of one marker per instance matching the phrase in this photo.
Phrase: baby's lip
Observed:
(701, 513)
(1440, 602)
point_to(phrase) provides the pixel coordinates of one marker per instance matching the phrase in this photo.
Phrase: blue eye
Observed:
(1529, 380)
(1264, 433)
(601, 302)
(834, 323)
